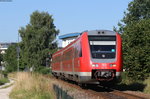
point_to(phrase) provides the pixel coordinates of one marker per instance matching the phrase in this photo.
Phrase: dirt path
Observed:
(4, 92)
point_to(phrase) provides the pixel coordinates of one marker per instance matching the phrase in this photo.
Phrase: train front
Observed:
(105, 62)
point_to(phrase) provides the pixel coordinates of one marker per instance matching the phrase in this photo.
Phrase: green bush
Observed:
(45, 70)
(129, 83)
(3, 81)
(125, 79)
(5, 73)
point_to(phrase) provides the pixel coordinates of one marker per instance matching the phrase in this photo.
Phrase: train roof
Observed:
(69, 35)
(101, 32)
(92, 32)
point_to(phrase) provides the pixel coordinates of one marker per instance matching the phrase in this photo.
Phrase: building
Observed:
(68, 38)
(4, 47)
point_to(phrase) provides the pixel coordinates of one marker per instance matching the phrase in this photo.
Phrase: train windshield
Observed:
(103, 47)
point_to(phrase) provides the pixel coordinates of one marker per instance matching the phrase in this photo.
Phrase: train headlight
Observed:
(113, 65)
(95, 65)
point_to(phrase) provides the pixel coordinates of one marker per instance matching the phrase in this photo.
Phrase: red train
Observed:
(94, 57)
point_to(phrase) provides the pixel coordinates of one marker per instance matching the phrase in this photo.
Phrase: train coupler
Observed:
(103, 74)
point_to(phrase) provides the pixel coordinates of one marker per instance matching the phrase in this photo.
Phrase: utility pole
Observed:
(18, 51)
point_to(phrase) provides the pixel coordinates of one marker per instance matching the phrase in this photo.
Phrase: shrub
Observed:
(3, 81)
(45, 70)
(5, 73)
(125, 79)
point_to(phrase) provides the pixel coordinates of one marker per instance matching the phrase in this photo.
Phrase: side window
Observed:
(75, 52)
(78, 50)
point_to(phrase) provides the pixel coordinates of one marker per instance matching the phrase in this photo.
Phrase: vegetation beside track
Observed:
(147, 88)
(32, 86)
(38, 86)
(135, 31)
(128, 83)
(3, 81)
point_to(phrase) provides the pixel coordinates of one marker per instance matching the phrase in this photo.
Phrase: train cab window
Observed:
(103, 47)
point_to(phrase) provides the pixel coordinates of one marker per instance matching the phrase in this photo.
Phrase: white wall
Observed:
(67, 41)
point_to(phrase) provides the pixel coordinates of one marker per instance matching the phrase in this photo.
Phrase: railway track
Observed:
(116, 94)
(98, 92)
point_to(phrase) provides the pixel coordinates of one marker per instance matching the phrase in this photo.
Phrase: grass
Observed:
(36, 86)
(32, 86)
(3, 81)
(147, 88)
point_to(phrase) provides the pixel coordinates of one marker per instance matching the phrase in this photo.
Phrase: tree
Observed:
(1, 58)
(137, 10)
(135, 31)
(38, 40)
(136, 42)
(11, 58)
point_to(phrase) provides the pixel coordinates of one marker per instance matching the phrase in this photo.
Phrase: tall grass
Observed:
(147, 88)
(32, 86)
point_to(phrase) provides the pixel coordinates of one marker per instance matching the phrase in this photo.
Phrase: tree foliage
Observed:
(135, 29)
(10, 58)
(136, 47)
(37, 40)
(137, 10)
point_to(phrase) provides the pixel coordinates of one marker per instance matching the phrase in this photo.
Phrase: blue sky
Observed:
(69, 15)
